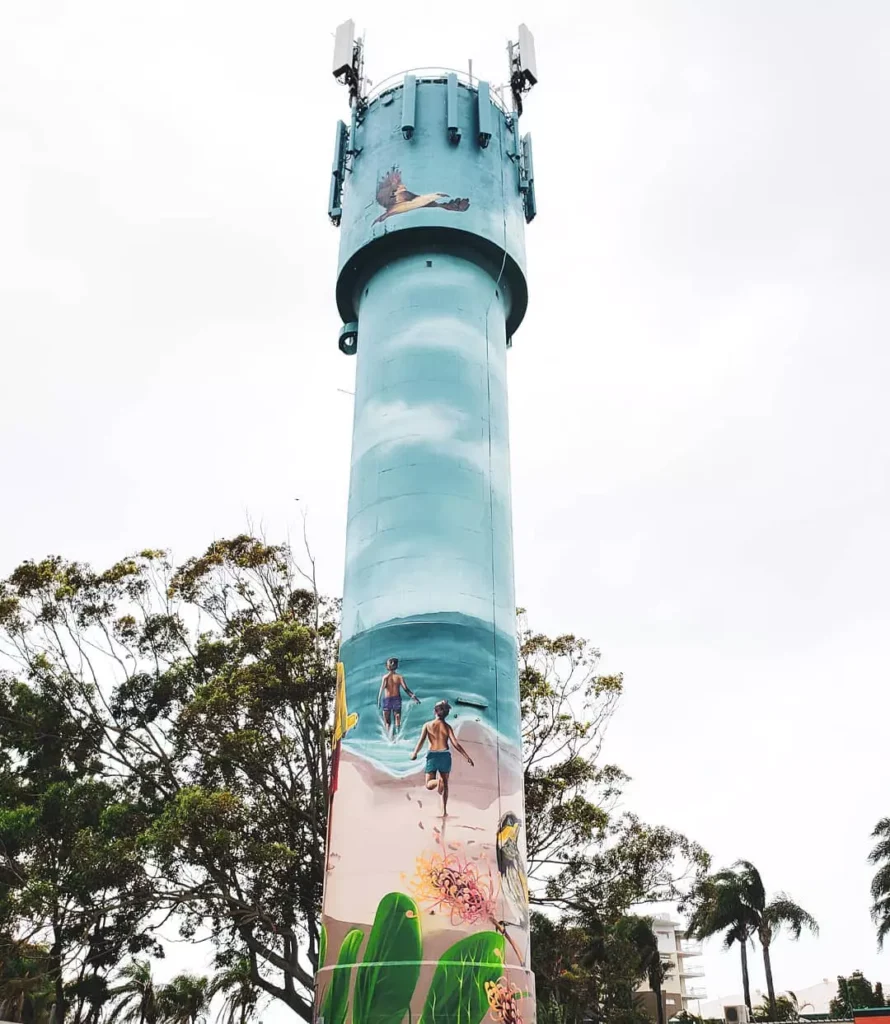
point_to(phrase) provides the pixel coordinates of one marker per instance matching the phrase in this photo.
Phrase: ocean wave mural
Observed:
(452, 657)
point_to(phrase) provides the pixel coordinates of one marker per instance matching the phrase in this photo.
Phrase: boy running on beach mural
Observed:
(438, 759)
(391, 692)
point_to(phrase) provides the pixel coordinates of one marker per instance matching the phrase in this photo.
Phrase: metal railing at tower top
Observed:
(435, 74)
(349, 68)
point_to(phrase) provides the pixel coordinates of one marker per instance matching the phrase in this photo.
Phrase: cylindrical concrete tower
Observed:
(425, 901)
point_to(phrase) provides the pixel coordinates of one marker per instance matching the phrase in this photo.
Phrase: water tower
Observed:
(425, 898)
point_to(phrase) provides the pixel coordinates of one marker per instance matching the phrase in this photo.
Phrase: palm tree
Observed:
(718, 905)
(796, 1005)
(645, 942)
(785, 1010)
(745, 912)
(136, 1000)
(781, 912)
(633, 946)
(235, 981)
(591, 959)
(184, 999)
(880, 884)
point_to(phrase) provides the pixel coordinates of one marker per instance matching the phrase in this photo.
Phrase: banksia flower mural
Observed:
(503, 996)
(455, 885)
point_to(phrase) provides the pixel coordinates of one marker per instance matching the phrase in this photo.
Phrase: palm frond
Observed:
(880, 884)
(122, 1010)
(881, 907)
(882, 828)
(884, 927)
(134, 999)
(740, 933)
(751, 884)
(241, 995)
(720, 906)
(184, 999)
(880, 914)
(880, 853)
(783, 912)
(729, 938)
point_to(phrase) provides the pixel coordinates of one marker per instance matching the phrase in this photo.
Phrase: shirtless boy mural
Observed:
(438, 759)
(391, 688)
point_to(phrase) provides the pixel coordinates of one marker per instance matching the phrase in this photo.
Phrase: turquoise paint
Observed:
(429, 527)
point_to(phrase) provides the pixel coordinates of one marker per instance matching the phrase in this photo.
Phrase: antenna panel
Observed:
(409, 105)
(528, 64)
(338, 171)
(451, 105)
(483, 103)
(527, 180)
(344, 45)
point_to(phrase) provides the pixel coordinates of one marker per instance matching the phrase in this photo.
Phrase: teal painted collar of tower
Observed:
(443, 170)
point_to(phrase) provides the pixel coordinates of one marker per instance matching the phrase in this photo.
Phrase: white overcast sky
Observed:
(698, 393)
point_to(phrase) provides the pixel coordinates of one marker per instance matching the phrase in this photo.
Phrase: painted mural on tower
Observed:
(425, 912)
(421, 744)
(395, 198)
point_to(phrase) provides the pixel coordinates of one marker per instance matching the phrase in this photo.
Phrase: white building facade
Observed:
(684, 987)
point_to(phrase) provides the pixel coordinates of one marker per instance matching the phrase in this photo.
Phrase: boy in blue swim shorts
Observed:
(391, 694)
(440, 736)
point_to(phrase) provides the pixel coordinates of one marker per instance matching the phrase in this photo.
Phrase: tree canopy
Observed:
(588, 970)
(584, 857)
(855, 992)
(164, 739)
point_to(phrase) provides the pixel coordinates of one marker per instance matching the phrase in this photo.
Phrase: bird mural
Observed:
(514, 879)
(395, 198)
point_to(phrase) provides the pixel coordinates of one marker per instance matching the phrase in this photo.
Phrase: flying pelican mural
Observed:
(395, 198)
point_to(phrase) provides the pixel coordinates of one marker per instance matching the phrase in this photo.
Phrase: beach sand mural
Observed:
(393, 849)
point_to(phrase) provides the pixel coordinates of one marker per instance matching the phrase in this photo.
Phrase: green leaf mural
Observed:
(322, 946)
(336, 999)
(386, 978)
(457, 991)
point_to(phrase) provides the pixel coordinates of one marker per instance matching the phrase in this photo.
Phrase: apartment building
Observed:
(684, 986)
